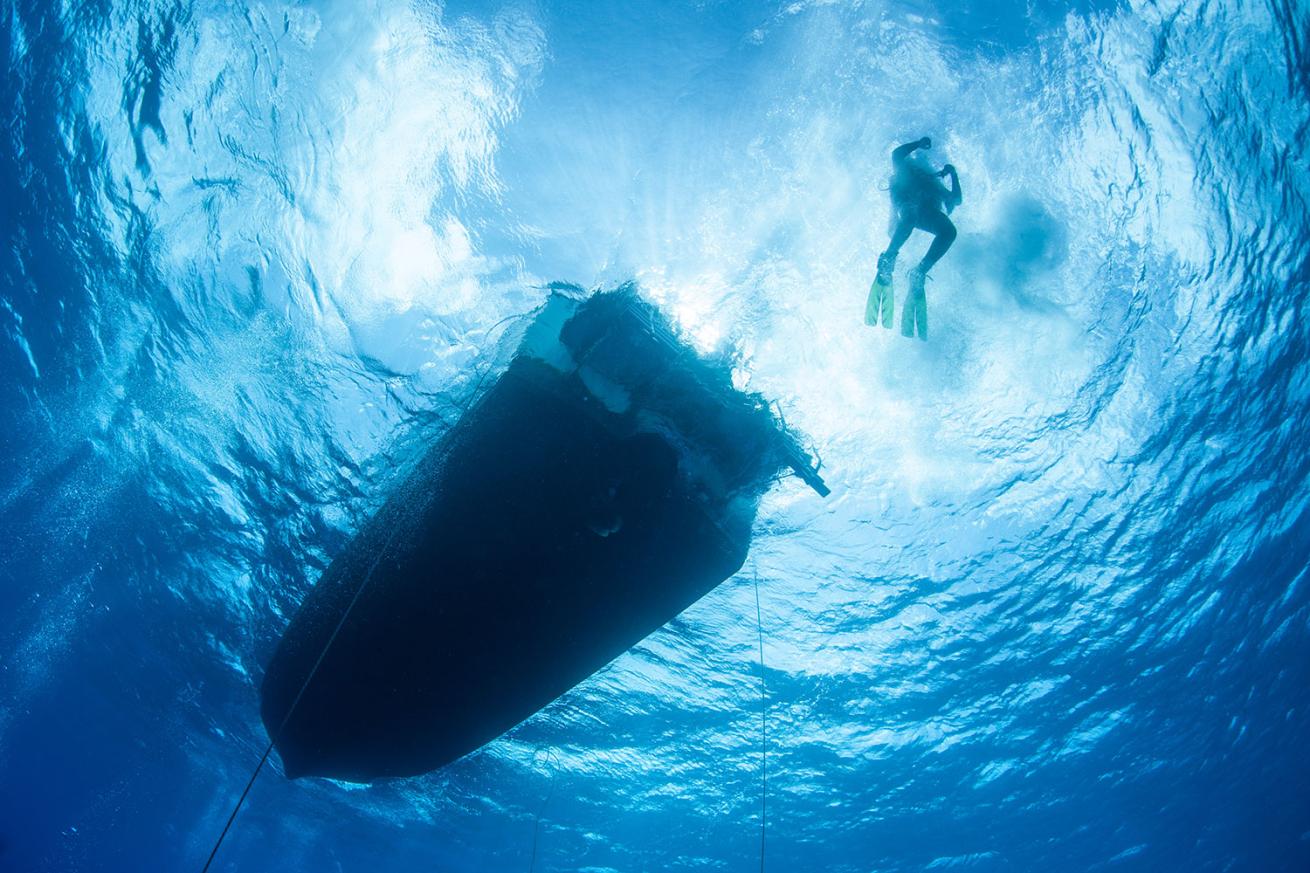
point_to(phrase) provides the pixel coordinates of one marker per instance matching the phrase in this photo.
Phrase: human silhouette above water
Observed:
(919, 201)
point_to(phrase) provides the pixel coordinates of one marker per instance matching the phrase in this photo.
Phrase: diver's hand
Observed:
(948, 170)
(925, 143)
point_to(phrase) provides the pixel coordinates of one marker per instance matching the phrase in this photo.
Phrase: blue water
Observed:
(1055, 615)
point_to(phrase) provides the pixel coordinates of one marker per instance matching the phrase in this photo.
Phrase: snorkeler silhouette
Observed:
(918, 199)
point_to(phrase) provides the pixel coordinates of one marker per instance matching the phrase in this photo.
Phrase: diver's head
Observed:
(919, 165)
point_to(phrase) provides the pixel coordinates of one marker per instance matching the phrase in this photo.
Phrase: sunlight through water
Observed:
(259, 255)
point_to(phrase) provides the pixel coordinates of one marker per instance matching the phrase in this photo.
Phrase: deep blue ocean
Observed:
(1055, 615)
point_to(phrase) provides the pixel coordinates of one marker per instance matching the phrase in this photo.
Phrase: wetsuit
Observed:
(918, 199)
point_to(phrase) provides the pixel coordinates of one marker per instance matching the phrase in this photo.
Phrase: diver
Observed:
(918, 201)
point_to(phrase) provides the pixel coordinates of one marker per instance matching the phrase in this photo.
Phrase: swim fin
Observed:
(881, 302)
(915, 313)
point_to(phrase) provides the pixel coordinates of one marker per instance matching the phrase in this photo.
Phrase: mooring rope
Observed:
(553, 759)
(764, 723)
(296, 702)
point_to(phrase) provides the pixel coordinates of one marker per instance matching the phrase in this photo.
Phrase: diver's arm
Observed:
(902, 152)
(956, 194)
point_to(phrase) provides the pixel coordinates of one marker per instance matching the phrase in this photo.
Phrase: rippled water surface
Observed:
(1055, 614)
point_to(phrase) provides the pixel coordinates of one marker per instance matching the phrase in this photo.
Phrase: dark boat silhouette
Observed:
(607, 480)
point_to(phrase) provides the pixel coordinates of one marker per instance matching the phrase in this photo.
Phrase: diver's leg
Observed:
(944, 233)
(887, 260)
(900, 233)
(916, 301)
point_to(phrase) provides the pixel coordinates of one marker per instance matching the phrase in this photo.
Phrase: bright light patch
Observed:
(695, 305)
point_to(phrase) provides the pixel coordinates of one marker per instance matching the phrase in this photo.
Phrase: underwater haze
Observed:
(1055, 615)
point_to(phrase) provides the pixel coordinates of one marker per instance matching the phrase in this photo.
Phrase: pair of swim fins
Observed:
(881, 306)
